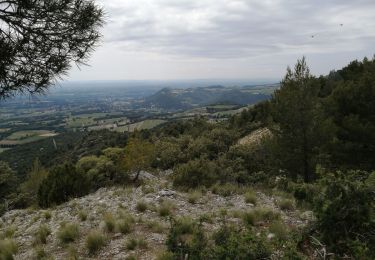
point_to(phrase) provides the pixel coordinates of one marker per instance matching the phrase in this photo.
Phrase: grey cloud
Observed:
(239, 28)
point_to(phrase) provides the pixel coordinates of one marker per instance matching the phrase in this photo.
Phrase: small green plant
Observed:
(249, 218)
(82, 214)
(194, 196)
(165, 255)
(256, 216)
(124, 226)
(68, 233)
(155, 227)
(131, 243)
(266, 215)
(142, 243)
(131, 257)
(279, 229)
(250, 197)
(72, 253)
(225, 190)
(42, 234)
(95, 241)
(47, 215)
(207, 218)
(8, 248)
(40, 253)
(9, 232)
(109, 222)
(286, 204)
(147, 189)
(141, 206)
(165, 209)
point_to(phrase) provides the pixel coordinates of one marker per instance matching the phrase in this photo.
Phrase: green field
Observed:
(85, 120)
(22, 137)
(146, 124)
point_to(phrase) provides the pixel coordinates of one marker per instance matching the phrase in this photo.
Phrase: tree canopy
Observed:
(40, 39)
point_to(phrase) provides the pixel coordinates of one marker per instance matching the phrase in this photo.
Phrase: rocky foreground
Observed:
(150, 223)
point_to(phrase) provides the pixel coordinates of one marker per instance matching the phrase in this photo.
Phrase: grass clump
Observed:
(279, 229)
(165, 255)
(286, 204)
(47, 215)
(194, 196)
(155, 227)
(95, 241)
(73, 253)
(42, 234)
(165, 208)
(141, 206)
(68, 233)
(132, 243)
(225, 190)
(8, 232)
(41, 254)
(82, 214)
(250, 197)
(257, 216)
(109, 222)
(124, 226)
(8, 248)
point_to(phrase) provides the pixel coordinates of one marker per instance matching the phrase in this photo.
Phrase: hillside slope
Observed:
(148, 225)
(174, 99)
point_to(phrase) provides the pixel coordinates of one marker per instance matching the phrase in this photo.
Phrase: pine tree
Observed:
(298, 128)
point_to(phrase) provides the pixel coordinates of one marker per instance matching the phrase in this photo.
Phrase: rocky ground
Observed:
(148, 225)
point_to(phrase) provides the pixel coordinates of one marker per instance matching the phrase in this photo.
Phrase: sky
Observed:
(227, 39)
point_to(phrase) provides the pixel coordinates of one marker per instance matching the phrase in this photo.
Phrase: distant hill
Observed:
(176, 99)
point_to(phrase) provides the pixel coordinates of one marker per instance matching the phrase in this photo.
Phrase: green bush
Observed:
(8, 248)
(196, 173)
(234, 243)
(68, 233)
(345, 214)
(61, 184)
(286, 204)
(186, 237)
(95, 240)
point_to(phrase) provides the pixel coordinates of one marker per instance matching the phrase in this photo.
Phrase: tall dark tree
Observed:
(299, 128)
(40, 39)
(352, 108)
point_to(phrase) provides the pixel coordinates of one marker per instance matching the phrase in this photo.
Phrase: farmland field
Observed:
(27, 136)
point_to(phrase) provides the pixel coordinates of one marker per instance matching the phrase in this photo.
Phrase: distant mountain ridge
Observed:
(176, 98)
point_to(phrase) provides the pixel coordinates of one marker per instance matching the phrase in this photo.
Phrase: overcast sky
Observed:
(228, 39)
